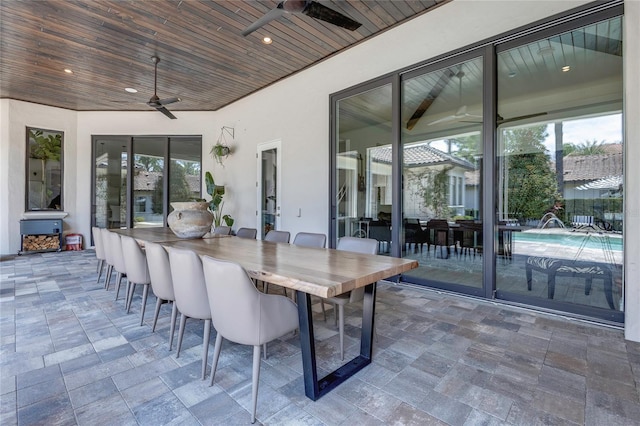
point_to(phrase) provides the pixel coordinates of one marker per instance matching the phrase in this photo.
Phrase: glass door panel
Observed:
(269, 187)
(185, 169)
(442, 176)
(148, 181)
(560, 172)
(363, 166)
(110, 174)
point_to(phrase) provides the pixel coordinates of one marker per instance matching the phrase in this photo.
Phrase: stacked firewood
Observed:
(40, 242)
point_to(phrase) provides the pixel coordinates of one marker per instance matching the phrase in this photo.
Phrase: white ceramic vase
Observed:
(190, 219)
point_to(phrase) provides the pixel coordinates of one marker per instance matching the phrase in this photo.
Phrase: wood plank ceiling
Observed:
(204, 59)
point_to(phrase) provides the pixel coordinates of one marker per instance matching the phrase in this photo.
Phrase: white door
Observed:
(268, 186)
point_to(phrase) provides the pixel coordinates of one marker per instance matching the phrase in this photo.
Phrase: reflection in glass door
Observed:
(148, 181)
(442, 176)
(560, 172)
(363, 167)
(110, 181)
(268, 187)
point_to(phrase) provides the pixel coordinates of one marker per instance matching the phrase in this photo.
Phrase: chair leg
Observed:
(127, 298)
(118, 281)
(216, 355)
(156, 314)
(174, 314)
(183, 320)
(341, 330)
(130, 297)
(255, 381)
(145, 293)
(100, 268)
(107, 277)
(324, 312)
(205, 346)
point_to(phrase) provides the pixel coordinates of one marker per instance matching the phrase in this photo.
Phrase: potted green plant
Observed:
(216, 204)
(220, 152)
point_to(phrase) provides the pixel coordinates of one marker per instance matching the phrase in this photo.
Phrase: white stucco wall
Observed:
(16, 116)
(296, 111)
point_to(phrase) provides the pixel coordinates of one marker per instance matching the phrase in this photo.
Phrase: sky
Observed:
(606, 129)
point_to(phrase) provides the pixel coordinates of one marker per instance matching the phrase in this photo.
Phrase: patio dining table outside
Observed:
(308, 271)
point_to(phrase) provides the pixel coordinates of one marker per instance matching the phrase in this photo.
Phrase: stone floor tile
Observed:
(55, 410)
(111, 410)
(217, 409)
(160, 410)
(438, 359)
(92, 392)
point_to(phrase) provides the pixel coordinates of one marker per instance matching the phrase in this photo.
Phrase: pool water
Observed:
(570, 239)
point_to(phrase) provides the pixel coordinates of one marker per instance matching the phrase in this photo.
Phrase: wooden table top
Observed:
(154, 235)
(321, 272)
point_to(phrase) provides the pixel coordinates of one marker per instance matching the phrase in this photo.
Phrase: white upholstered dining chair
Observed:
(135, 262)
(241, 314)
(161, 283)
(249, 233)
(191, 296)
(359, 245)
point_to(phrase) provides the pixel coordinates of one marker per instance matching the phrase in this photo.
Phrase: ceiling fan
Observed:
(310, 8)
(155, 101)
(461, 113)
(501, 120)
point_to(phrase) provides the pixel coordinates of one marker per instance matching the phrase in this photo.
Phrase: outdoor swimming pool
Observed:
(568, 238)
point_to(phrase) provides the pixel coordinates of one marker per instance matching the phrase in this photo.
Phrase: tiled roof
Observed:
(146, 181)
(591, 167)
(420, 155)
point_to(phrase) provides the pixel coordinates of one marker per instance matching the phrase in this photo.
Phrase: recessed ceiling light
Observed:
(68, 71)
(130, 90)
(267, 40)
(512, 74)
(566, 68)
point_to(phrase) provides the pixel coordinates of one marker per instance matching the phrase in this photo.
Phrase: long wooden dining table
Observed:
(307, 271)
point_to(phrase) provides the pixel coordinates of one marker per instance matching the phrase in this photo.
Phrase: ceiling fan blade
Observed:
(500, 120)
(319, 11)
(166, 112)
(446, 119)
(168, 101)
(272, 15)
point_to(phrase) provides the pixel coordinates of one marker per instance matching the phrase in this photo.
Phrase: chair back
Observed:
(277, 236)
(241, 313)
(135, 261)
(97, 242)
(309, 239)
(115, 247)
(159, 271)
(188, 284)
(247, 233)
(105, 240)
(222, 230)
(358, 245)
(233, 300)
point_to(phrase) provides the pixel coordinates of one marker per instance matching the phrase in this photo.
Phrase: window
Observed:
(44, 169)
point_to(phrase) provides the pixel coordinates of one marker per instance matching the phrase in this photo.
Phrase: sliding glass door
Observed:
(363, 184)
(131, 189)
(442, 175)
(559, 171)
(498, 168)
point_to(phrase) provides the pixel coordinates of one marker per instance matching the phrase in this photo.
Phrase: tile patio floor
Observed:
(71, 355)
